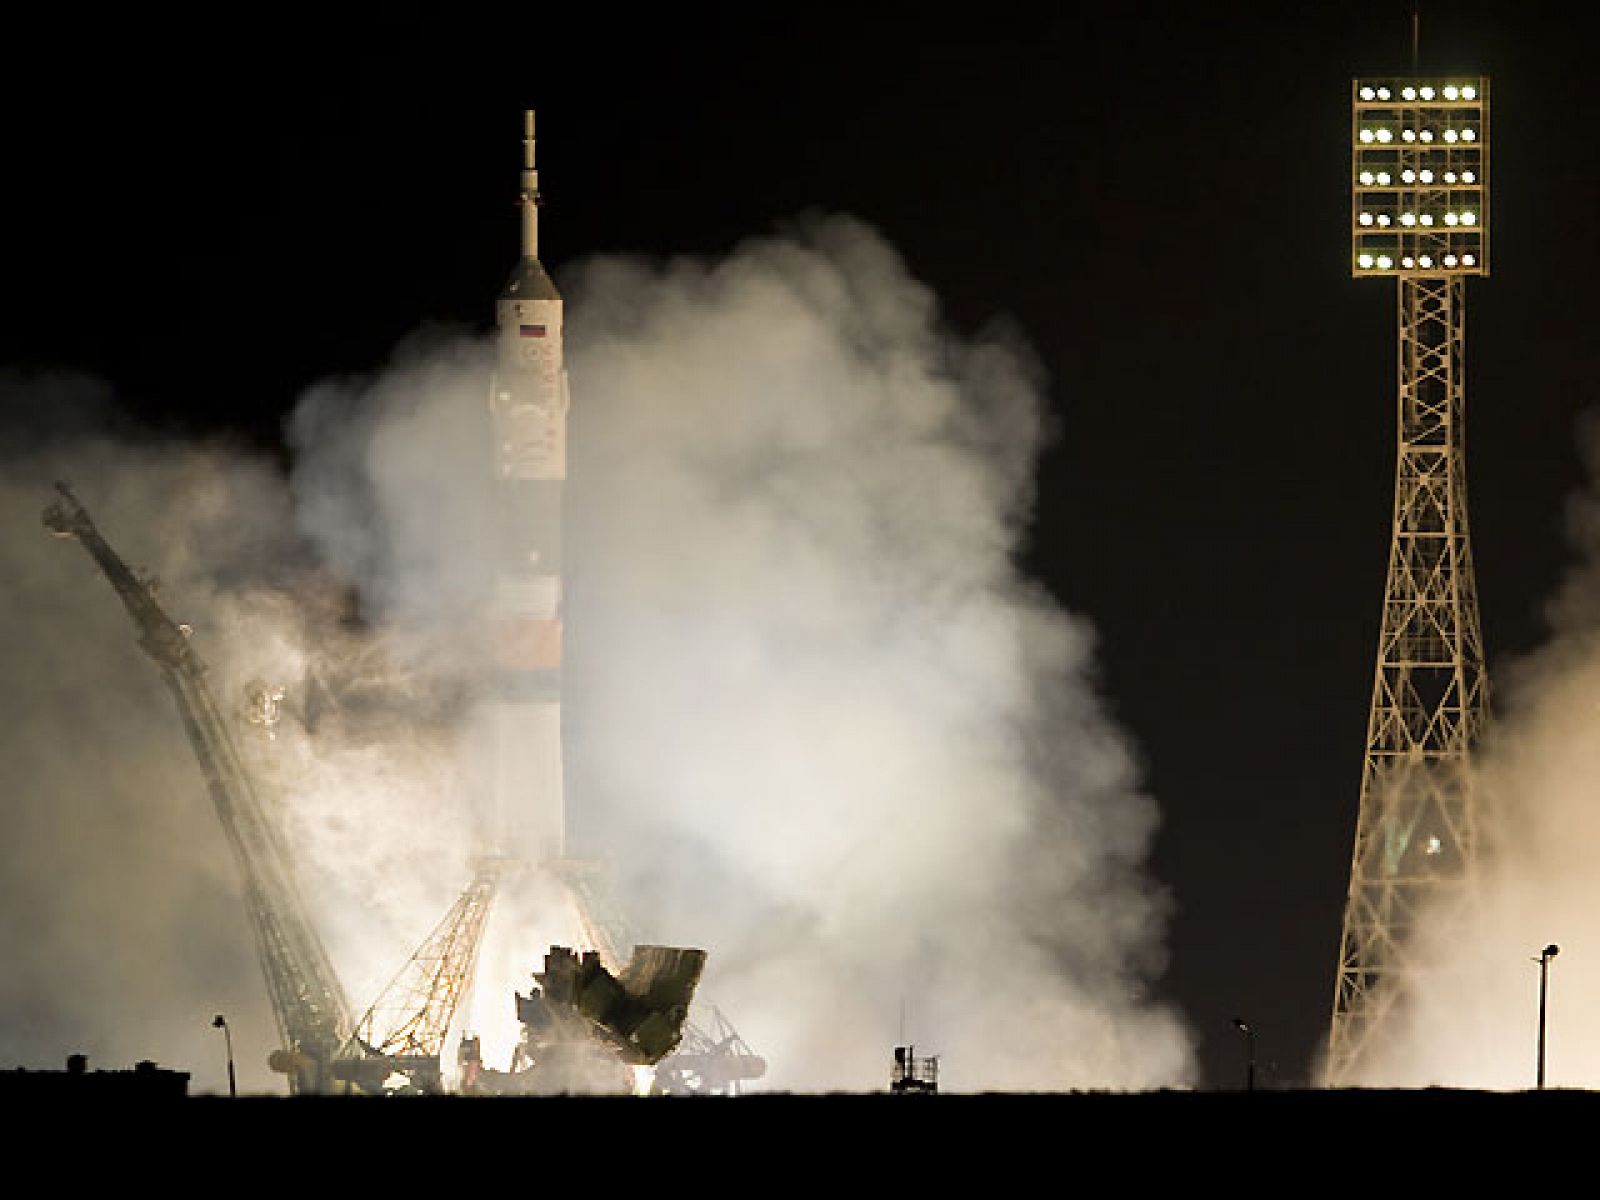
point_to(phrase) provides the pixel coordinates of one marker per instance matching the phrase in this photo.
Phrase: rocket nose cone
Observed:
(529, 281)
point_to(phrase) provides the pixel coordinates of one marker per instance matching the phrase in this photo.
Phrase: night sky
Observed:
(213, 217)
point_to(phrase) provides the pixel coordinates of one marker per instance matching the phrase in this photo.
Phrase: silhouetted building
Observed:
(145, 1082)
(913, 1074)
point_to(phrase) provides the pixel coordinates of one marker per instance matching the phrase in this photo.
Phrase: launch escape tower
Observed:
(1419, 213)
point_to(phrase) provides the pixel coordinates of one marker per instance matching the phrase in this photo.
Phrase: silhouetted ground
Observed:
(1294, 1142)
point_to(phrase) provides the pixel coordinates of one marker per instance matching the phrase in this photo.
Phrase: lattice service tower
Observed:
(1419, 213)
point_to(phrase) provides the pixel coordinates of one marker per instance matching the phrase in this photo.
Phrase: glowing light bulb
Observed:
(1408, 218)
(1367, 178)
(1383, 179)
(1469, 92)
(1468, 218)
(1468, 177)
(1450, 135)
(1409, 135)
(1469, 260)
(1449, 176)
(1427, 93)
(1451, 91)
(1368, 136)
(1385, 135)
(1365, 262)
(1427, 135)
(1365, 218)
(1427, 218)
(1368, 94)
(1469, 135)
(1383, 219)
(1449, 260)
(1408, 262)
(1407, 175)
(1384, 262)
(1426, 262)
(1427, 176)
(1409, 93)
(1449, 218)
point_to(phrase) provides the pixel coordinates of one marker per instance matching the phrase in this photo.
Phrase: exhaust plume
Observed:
(819, 722)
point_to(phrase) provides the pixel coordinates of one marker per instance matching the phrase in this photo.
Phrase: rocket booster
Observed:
(529, 402)
(528, 408)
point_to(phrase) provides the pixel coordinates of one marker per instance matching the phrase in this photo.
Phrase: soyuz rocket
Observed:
(528, 403)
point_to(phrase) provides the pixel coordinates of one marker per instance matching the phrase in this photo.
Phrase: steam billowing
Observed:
(817, 721)
(1474, 1024)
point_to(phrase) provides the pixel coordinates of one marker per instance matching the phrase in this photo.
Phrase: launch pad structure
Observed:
(634, 1014)
(309, 1004)
(596, 1013)
(1419, 214)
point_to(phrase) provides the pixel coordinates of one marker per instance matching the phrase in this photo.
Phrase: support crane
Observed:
(309, 1004)
(405, 1029)
(323, 1051)
(712, 1061)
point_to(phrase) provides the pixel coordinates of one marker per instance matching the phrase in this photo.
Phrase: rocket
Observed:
(528, 404)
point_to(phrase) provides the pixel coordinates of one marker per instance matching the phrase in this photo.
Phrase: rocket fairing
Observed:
(528, 409)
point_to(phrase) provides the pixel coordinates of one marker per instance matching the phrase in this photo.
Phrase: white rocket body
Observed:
(528, 407)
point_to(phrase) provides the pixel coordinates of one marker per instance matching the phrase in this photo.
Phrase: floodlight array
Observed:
(1420, 176)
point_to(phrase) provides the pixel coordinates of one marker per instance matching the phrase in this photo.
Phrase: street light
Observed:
(218, 1022)
(1243, 1027)
(1543, 960)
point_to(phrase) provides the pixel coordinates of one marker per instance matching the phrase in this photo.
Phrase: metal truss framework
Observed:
(1417, 834)
(412, 1017)
(307, 1000)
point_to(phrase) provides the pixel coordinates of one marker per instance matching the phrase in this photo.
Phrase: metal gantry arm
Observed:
(406, 1027)
(307, 1000)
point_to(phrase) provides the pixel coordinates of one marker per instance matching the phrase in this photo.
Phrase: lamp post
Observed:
(1243, 1027)
(1543, 960)
(219, 1022)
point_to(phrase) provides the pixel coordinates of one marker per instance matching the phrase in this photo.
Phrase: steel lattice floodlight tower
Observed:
(1419, 213)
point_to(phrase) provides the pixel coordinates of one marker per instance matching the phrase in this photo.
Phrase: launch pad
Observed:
(583, 1022)
(595, 1016)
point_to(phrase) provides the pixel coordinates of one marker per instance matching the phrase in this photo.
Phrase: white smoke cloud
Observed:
(125, 924)
(865, 754)
(1474, 1019)
(122, 927)
(818, 722)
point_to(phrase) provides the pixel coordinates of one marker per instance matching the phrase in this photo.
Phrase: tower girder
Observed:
(1417, 833)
